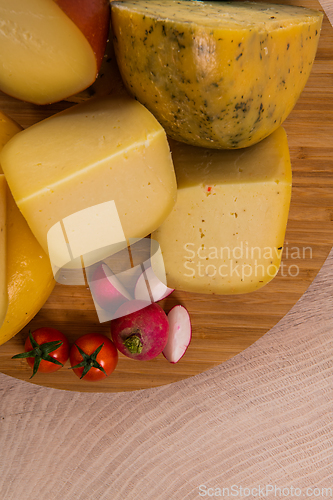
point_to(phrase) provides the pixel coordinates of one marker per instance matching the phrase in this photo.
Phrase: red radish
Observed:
(180, 334)
(158, 289)
(142, 334)
(107, 290)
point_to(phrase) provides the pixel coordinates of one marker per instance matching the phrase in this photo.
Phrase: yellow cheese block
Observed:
(104, 151)
(44, 57)
(225, 234)
(8, 128)
(29, 275)
(3, 251)
(215, 74)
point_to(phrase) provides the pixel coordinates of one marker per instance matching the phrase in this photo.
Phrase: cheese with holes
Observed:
(110, 154)
(225, 234)
(215, 74)
(3, 250)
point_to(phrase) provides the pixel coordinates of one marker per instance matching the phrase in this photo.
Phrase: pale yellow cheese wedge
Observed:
(3, 250)
(104, 156)
(215, 74)
(44, 56)
(226, 232)
(28, 271)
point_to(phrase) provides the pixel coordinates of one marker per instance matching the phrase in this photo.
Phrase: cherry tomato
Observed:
(93, 357)
(46, 350)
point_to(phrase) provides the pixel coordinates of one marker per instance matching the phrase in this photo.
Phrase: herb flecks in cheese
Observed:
(225, 233)
(215, 74)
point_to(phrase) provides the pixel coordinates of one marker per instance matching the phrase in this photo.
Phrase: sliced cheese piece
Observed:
(98, 152)
(28, 270)
(3, 251)
(226, 232)
(44, 57)
(215, 74)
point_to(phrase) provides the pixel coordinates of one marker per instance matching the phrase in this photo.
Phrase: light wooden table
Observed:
(263, 419)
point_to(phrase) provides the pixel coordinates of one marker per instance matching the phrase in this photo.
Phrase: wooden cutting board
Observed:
(223, 326)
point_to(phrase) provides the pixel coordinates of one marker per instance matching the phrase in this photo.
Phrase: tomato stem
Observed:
(89, 361)
(39, 352)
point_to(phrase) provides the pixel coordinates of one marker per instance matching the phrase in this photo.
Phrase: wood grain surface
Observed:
(262, 419)
(222, 325)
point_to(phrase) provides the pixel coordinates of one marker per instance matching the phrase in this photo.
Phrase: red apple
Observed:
(51, 49)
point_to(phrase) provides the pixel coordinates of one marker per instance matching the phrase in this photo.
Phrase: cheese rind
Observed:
(102, 150)
(3, 251)
(29, 278)
(215, 74)
(108, 81)
(225, 234)
(29, 275)
(8, 128)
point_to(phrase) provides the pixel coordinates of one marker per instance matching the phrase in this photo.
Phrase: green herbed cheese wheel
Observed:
(215, 74)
